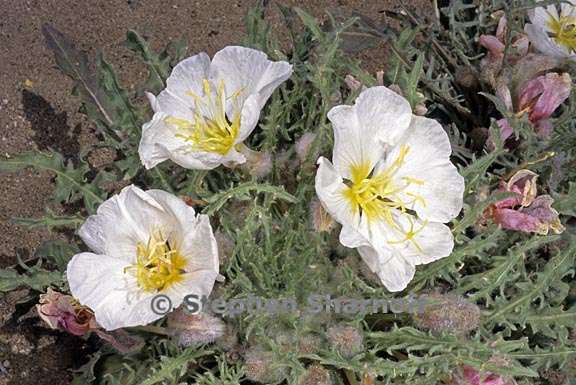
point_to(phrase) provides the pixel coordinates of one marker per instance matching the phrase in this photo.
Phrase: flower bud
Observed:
(346, 340)
(261, 367)
(309, 344)
(225, 246)
(449, 313)
(315, 375)
(258, 163)
(353, 84)
(303, 145)
(321, 220)
(195, 329)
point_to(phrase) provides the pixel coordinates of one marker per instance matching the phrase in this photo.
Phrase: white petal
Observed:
(395, 272)
(330, 188)
(568, 9)
(351, 237)
(199, 282)
(540, 16)
(382, 114)
(249, 71)
(186, 77)
(254, 75)
(159, 142)
(432, 241)
(191, 233)
(123, 221)
(544, 43)
(99, 282)
(354, 145)
(428, 161)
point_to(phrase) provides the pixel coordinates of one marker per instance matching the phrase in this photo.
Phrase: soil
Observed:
(37, 111)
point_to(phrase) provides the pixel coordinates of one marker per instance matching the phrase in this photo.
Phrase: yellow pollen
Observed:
(158, 265)
(376, 196)
(563, 31)
(210, 130)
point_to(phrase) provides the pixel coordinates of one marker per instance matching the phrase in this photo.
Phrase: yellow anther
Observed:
(377, 196)
(158, 265)
(210, 130)
(563, 31)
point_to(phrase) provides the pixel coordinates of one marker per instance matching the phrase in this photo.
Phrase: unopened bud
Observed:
(261, 366)
(258, 163)
(420, 109)
(321, 220)
(396, 88)
(303, 145)
(380, 78)
(448, 313)
(195, 329)
(353, 83)
(309, 344)
(225, 246)
(315, 375)
(346, 340)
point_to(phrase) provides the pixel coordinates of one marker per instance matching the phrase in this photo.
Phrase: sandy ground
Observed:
(38, 112)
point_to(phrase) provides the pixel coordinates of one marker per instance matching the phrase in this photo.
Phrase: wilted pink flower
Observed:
(496, 47)
(474, 377)
(61, 311)
(540, 97)
(525, 211)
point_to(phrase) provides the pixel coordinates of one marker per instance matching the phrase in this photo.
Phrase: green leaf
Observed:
(70, 182)
(174, 368)
(50, 221)
(566, 203)
(409, 82)
(242, 191)
(76, 65)
(36, 278)
(57, 251)
(158, 65)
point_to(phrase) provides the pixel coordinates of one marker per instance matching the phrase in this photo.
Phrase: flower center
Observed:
(564, 31)
(210, 130)
(158, 265)
(376, 196)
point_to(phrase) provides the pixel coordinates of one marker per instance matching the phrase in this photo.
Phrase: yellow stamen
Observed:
(563, 31)
(158, 265)
(210, 130)
(377, 196)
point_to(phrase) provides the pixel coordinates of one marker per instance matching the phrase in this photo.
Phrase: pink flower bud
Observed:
(448, 313)
(303, 145)
(195, 329)
(262, 367)
(315, 375)
(346, 340)
(321, 220)
(258, 163)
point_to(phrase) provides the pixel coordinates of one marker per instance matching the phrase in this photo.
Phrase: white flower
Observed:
(554, 33)
(144, 243)
(390, 184)
(209, 108)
